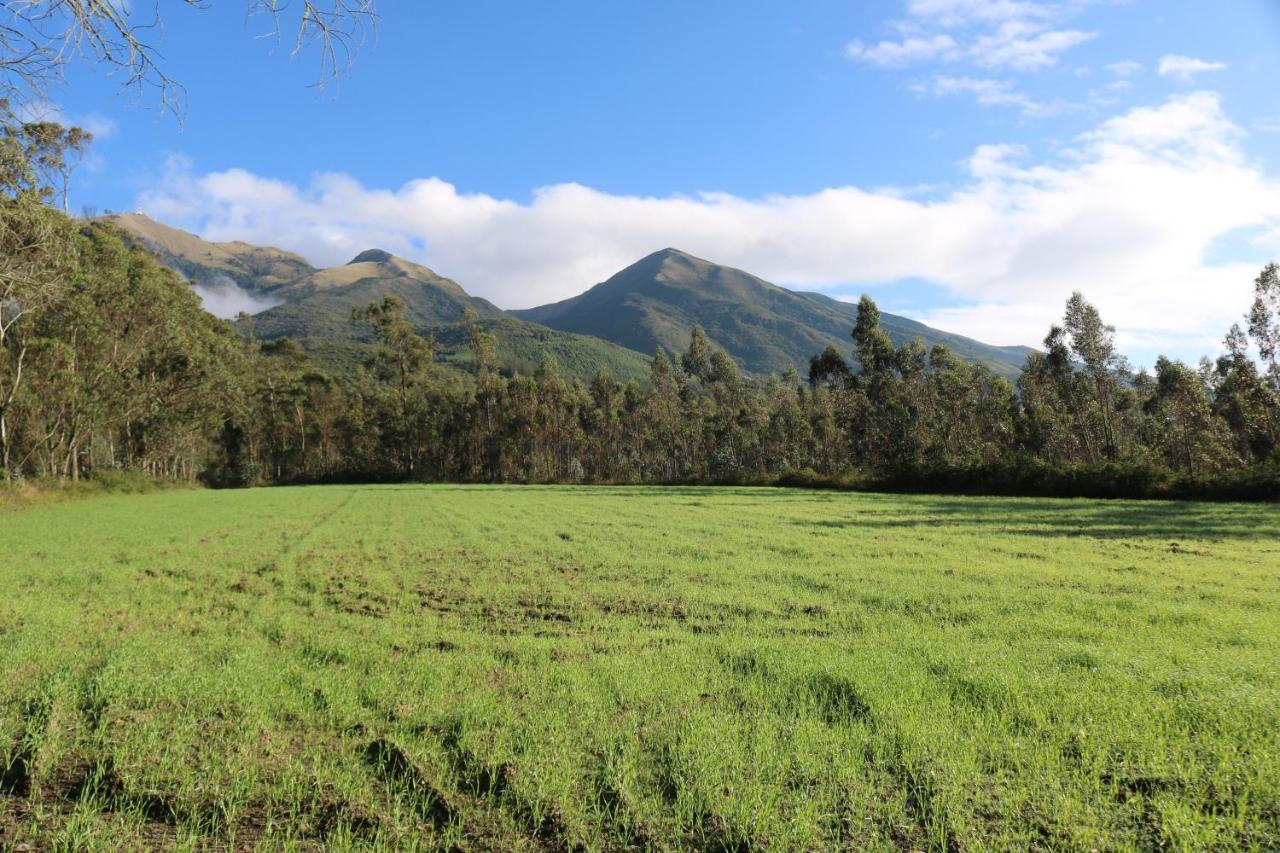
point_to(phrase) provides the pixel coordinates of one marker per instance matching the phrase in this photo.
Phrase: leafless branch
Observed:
(39, 38)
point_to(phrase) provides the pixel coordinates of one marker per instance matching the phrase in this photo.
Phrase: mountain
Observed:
(306, 302)
(313, 306)
(262, 271)
(319, 305)
(659, 299)
(616, 324)
(318, 315)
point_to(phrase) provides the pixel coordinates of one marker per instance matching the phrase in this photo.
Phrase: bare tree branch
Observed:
(40, 38)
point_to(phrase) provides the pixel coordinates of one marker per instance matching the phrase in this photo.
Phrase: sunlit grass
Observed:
(506, 668)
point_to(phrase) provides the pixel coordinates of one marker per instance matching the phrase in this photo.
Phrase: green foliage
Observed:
(1264, 318)
(36, 158)
(829, 367)
(450, 667)
(518, 347)
(397, 385)
(696, 360)
(121, 367)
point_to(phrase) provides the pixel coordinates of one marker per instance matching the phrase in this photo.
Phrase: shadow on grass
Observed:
(1049, 517)
(1169, 522)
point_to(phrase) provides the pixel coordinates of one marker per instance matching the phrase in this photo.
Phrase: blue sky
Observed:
(969, 162)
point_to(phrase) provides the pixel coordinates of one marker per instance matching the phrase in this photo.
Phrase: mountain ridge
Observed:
(656, 301)
(258, 270)
(314, 306)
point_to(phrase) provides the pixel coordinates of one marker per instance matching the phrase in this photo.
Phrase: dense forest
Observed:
(109, 363)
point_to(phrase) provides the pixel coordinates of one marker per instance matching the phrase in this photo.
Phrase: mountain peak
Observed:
(657, 301)
(670, 253)
(668, 261)
(372, 256)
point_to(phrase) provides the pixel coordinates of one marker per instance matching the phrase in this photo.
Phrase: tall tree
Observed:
(38, 250)
(829, 368)
(1047, 386)
(1264, 319)
(697, 359)
(1246, 401)
(1093, 344)
(1186, 432)
(54, 152)
(401, 370)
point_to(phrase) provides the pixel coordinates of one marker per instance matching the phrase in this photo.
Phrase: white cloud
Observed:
(988, 93)
(1025, 46)
(891, 54)
(222, 297)
(1010, 37)
(99, 125)
(959, 13)
(1128, 215)
(1127, 68)
(1106, 94)
(1185, 68)
(992, 34)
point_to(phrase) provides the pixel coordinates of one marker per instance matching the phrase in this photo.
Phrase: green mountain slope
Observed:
(522, 345)
(521, 348)
(658, 300)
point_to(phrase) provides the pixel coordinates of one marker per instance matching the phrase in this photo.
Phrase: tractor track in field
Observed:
(296, 543)
(474, 809)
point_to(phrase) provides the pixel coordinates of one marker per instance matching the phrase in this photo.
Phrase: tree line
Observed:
(109, 363)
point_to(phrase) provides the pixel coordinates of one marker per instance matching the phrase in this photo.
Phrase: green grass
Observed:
(534, 668)
(22, 494)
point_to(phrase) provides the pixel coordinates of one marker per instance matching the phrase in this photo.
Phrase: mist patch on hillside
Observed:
(222, 297)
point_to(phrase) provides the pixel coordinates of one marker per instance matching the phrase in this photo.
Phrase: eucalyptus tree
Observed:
(1098, 390)
(38, 250)
(397, 381)
(1264, 320)
(1185, 431)
(1246, 400)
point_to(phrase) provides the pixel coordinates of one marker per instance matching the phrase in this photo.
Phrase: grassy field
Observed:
(610, 668)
